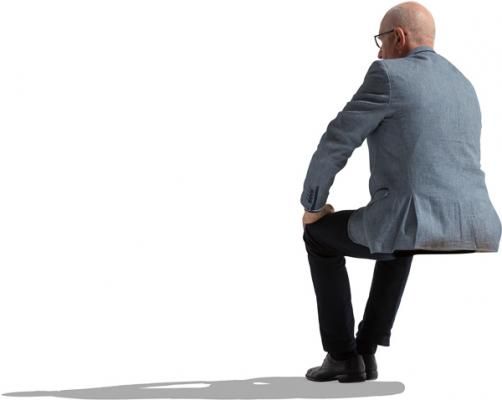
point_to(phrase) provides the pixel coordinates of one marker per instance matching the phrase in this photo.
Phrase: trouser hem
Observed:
(383, 339)
(338, 345)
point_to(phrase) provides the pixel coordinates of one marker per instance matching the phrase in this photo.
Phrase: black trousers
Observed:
(327, 243)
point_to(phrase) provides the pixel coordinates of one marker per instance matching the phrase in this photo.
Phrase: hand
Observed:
(309, 218)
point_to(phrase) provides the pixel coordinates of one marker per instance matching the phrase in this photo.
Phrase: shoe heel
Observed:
(371, 375)
(354, 377)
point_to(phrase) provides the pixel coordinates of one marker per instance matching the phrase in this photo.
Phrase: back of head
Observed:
(406, 26)
(416, 20)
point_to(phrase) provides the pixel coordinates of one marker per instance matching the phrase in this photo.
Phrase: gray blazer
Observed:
(421, 118)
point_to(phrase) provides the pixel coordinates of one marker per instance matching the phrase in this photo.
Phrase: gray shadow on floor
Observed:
(255, 388)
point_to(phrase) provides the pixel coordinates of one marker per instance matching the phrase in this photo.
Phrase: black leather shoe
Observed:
(370, 366)
(351, 370)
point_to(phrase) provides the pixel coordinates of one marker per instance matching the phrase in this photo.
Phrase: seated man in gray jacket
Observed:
(421, 118)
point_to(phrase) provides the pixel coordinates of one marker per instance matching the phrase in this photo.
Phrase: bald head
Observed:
(415, 19)
(406, 26)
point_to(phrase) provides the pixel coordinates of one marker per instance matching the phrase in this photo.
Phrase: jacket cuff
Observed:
(314, 211)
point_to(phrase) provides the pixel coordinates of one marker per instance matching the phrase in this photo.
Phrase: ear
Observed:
(400, 37)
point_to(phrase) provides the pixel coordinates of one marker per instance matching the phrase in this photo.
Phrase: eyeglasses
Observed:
(378, 41)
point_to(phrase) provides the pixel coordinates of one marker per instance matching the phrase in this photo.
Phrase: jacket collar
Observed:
(420, 49)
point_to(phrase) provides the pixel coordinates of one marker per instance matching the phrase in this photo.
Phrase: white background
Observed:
(152, 157)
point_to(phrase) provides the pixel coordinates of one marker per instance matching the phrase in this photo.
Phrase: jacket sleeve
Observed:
(360, 116)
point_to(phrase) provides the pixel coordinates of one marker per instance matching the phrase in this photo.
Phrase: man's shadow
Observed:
(255, 388)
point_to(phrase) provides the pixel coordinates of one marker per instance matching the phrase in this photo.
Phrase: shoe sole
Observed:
(357, 377)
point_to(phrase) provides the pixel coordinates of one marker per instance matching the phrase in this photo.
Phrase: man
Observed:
(422, 120)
